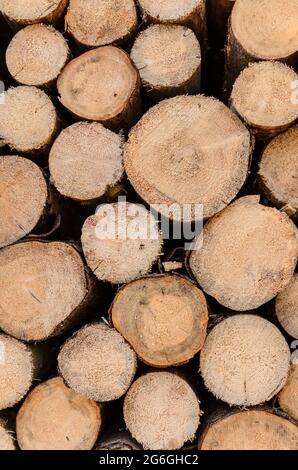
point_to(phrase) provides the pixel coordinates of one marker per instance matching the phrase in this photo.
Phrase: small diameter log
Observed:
(36, 55)
(172, 155)
(288, 397)
(23, 198)
(28, 120)
(54, 417)
(93, 24)
(169, 61)
(262, 30)
(237, 364)
(262, 97)
(101, 85)
(278, 171)
(256, 429)
(97, 363)
(85, 161)
(162, 411)
(164, 319)
(286, 307)
(248, 256)
(121, 242)
(190, 13)
(7, 441)
(20, 13)
(44, 289)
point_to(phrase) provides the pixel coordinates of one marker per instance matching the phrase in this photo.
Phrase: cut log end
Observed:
(101, 85)
(115, 249)
(262, 97)
(36, 55)
(248, 256)
(169, 61)
(278, 170)
(164, 318)
(236, 360)
(250, 430)
(94, 24)
(23, 198)
(97, 363)
(171, 157)
(19, 13)
(147, 411)
(28, 120)
(86, 161)
(54, 417)
(42, 285)
(286, 307)
(288, 397)
(16, 371)
(7, 441)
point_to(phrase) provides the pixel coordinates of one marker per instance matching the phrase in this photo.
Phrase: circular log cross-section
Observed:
(85, 161)
(188, 150)
(101, 85)
(286, 307)
(164, 319)
(278, 171)
(191, 13)
(23, 198)
(248, 256)
(20, 13)
(97, 363)
(161, 411)
(36, 55)
(54, 417)
(236, 360)
(121, 242)
(28, 120)
(169, 61)
(93, 24)
(262, 30)
(17, 370)
(288, 397)
(42, 289)
(262, 97)
(7, 441)
(250, 430)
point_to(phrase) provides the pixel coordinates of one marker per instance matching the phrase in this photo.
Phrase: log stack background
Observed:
(131, 344)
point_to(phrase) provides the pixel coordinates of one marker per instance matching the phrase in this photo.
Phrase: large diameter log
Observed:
(97, 363)
(162, 411)
(278, 171)
(36, 55)
(93, 24)
(256, 429)
(19, 13)
(23, 198)
(54, 417)
(85, 161)
(188, 150)
(288, 397)
(164, 318)
(28, 120)
(44, 289)
(7, 441)
(286, 307)
(248, 256)
(237, 364)
(20, 366)
(262, 97)
(169, 61)
(101, 85)
(262, 30)
(190, 13)
(121, 242)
